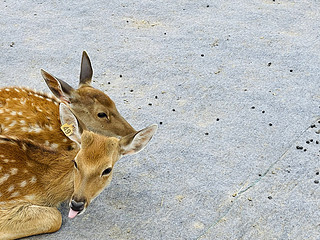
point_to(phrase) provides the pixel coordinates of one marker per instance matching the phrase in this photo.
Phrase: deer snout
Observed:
(77, 206)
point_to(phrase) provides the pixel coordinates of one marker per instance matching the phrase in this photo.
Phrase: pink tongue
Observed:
(72, 213)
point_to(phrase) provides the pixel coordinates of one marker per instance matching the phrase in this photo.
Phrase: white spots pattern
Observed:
(10, 188)
(13, 171)
(23, 183)
(14, 194)
(33, 179)
(4, 178)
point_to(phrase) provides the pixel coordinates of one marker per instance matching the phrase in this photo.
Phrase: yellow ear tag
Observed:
(67, 129)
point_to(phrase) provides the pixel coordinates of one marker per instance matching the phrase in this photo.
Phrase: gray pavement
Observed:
(235, 85)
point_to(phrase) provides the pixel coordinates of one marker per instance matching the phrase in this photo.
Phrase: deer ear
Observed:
(135, 142)
(69, 124)
(59, 88)
(86, 71)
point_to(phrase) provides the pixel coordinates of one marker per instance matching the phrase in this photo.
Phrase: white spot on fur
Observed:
(17, 90)
(30, 197)
(19, 113)
(47, 143)
(4, 178)
(22, 121)
(7, 89)
(50, 128)
(35, 128)
(33, 179)
(39, 109)
(15, 194)
(13, 171)
(10, 188)
(6, 160)
(14, 122)
(25, 171)
(23, 101)
(23, 183)
(13, 113)
(7, 118)
(1, 155)
(1, 110)
(24, 129)
(64, 140)
(54, 145)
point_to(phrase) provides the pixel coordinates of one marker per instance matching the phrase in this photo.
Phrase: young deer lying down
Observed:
(30, 114)
(34, 179)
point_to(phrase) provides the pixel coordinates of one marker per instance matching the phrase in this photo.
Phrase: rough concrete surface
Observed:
(234, 87)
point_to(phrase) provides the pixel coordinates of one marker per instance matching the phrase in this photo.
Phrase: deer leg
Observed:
(24, 219)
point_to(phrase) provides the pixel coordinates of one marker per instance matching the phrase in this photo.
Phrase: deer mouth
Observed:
(73, 213)
(76, 208)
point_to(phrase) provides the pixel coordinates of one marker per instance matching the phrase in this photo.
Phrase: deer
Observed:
(35, 179)
(35, 115)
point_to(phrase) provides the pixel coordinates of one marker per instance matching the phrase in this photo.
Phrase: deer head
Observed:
(95, 109)
(94, 163)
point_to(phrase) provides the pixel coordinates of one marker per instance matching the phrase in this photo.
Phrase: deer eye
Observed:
(75, 164)
(102, 115)
(106, 171)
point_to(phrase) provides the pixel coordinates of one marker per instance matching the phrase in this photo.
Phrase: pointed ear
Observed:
(135, 142)
(69, 124)
(86, 71)
(59, 88)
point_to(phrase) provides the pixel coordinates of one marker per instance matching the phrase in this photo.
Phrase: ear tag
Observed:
(67, 129)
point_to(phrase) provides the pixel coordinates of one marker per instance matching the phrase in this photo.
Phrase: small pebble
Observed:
(218, 119)
(316, 181)
(206, 133)
(263, 111)
(269, 64)
(150, 104)
(291, 70)
(313, 126)
(173, 110)
(307, 142)
(270, 197)
(108, 82)
(253, 107)
(156, 97)
(270, 124)
(120, 75)
(304, 150)
(317, 173)
(160, 123)
(299, 147)
(202, 55)
(317, 142)
(131, 90)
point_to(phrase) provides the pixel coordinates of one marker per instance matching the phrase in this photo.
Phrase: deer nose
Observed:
(77, 206)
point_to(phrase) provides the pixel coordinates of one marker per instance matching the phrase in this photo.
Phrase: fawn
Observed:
(27, 113)
(34, 178)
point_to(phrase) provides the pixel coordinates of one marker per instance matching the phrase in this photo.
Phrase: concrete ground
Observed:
(234, 87)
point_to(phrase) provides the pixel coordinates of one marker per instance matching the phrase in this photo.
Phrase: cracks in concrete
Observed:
(238, 195)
